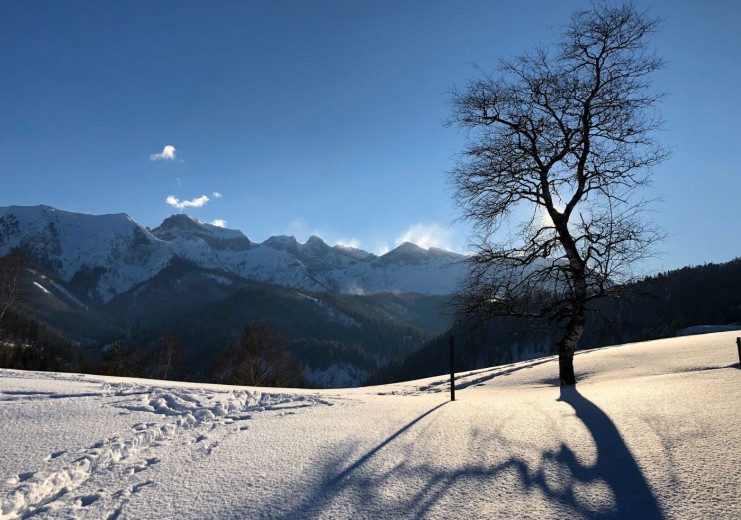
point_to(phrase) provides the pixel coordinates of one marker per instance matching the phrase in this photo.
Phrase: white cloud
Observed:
(353, 242)
(426, 236)
(218, 222)
(195, 203)
(217, 195)
(167, 154)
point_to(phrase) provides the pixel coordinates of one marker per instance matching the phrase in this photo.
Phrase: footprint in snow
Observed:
(211, 448)
(56, 454)
(138, 487)
(85, 501)
(146, 464)
(21, 477)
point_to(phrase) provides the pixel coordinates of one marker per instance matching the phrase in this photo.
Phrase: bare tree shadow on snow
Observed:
(481, 376)
(615, 464)
(365, 458)
(338, 478)
(380, 484)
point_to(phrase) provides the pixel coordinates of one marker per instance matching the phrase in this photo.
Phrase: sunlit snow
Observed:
(651, 431)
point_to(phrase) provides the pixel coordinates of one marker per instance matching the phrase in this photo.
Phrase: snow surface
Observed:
(651, 431)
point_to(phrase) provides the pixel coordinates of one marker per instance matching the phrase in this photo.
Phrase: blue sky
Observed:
(324, 117)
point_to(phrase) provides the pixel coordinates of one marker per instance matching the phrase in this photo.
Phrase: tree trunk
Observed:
(567, 347)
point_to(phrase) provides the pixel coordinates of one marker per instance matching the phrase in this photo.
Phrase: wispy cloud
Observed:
(300, 228)
(427, 235)
(424, 234)
(217, 195)
(381, 249)
(218, 222)
(167, 154)
(182, 204)
(353, 242)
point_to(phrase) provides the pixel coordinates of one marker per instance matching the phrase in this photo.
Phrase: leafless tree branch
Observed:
(566, 137)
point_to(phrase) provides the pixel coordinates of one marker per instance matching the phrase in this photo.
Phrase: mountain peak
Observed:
(315, 242)
(180, 221)
(285, 243)
(408, 247)
(184, 228)
(406, 253)
(315, 239)
(354, 252)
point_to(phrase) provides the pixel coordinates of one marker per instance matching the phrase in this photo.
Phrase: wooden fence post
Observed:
(452, 368)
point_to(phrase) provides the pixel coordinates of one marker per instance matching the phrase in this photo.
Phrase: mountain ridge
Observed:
(103, 256)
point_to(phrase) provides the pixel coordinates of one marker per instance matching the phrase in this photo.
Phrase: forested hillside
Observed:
(338, 339)
(657, 307)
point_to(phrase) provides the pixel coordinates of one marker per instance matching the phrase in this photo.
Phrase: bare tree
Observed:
(559, 142)
(169, 358)
(12, 268)
(258, 358)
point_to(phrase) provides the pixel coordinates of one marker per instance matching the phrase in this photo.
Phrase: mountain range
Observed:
(102, 256)
(98, 279)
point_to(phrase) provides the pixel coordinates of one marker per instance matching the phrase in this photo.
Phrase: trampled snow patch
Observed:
(193, 416)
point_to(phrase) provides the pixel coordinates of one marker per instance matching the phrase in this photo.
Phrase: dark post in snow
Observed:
(738, 345)
(452, 368)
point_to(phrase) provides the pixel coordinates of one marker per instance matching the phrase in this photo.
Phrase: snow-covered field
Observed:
(653, 430)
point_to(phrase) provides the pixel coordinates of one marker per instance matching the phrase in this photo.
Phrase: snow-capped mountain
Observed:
(102, 256)
(182, 228)
(408, 268)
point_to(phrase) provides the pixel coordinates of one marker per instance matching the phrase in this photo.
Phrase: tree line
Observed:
(658, 306)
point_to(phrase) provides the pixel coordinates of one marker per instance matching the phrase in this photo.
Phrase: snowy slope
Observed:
(317, 255)
(103, 256)
(408, 268)
(651, 432)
